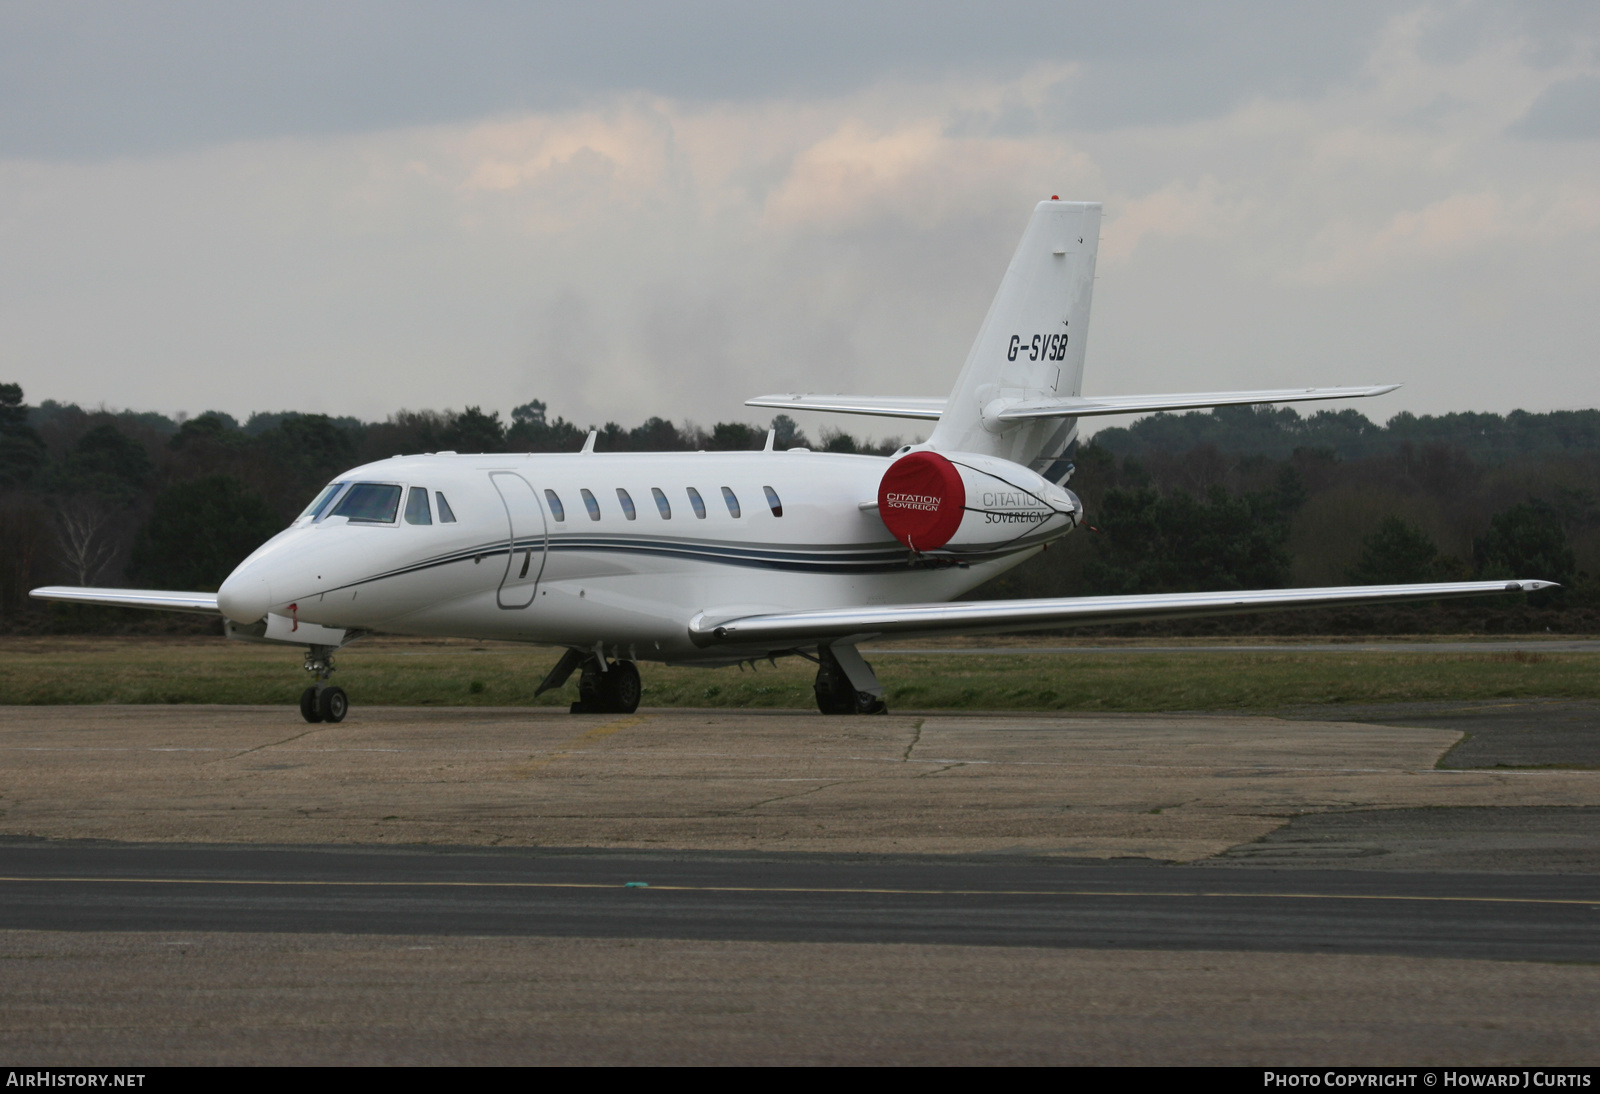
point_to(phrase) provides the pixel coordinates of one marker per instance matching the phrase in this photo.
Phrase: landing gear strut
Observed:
(320, 702)
(604, 686)
(846, 684)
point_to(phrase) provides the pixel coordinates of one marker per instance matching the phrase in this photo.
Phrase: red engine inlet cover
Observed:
(922, 500)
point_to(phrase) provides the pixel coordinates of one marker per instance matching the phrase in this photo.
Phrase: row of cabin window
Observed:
(377, 502)
(663, 506)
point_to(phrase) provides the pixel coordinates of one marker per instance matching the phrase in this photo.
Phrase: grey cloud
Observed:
(1569, 110)
(101, 79)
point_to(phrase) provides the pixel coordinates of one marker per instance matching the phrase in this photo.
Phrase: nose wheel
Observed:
(322, 702)
(328, 705)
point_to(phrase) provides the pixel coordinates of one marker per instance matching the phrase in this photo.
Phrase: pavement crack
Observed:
(786, 797)
(916, 736)
(269, 744)
(939, 770)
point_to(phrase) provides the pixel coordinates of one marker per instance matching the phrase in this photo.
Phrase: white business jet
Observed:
(714, 558)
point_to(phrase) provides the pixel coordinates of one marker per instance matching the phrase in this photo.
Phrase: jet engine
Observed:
(966, 503)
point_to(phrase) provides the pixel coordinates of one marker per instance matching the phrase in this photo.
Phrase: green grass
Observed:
(396, 672)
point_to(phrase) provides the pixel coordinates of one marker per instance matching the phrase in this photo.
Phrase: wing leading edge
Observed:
(997, 616)
(160, 600)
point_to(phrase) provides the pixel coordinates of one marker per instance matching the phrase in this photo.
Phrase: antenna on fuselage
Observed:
(772, 441)
(588, 442)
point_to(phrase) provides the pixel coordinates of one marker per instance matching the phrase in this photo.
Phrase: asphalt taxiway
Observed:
(1407, 884)
(922, 900)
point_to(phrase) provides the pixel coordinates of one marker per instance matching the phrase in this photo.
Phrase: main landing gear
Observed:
(845, 682)
(320, 702)
(604, 686)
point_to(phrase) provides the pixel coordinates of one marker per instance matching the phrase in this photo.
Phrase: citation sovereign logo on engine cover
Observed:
(925, 502)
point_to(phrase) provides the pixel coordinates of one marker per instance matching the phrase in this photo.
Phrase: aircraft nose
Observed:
(244, 597)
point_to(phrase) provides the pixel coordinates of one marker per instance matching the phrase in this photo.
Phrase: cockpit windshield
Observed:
(314, 510)
(371, 502)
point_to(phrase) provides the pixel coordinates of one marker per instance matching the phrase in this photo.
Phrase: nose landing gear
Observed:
(320, 702)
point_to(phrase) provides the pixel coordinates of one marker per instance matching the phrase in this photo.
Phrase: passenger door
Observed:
(528, 537)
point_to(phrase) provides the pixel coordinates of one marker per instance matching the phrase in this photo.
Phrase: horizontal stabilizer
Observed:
(882, 406)
(203, 603)
(1086, 406)
(790, 629)
(1090, 406)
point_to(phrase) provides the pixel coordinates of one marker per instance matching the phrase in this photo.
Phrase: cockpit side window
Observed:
(417, 506)
(314, 510)
(445, 514)
(369, 503)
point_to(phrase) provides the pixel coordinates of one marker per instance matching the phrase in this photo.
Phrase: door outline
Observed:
(521, 576)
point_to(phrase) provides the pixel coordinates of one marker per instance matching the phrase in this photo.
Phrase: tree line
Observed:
(1206, 518)
(1277, 431)
(95, 497)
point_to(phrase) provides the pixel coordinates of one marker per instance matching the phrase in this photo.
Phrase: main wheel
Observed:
(834, 696)
(620, 688)
(868, 703)
(333, 705)
(308, 705)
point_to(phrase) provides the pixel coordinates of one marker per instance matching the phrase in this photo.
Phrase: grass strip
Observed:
(45, 671)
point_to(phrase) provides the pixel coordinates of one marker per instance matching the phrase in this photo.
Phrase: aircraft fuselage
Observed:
(619, 549)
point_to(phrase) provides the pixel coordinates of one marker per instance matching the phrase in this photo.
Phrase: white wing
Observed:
(204, 603)
(787, 629)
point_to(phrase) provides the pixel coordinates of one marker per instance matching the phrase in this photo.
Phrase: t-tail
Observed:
(1031, 345)
(1020, 394)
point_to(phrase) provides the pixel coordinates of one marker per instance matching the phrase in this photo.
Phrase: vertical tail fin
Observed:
(1031, 344)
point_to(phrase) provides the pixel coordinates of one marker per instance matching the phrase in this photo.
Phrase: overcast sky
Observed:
(632, 209)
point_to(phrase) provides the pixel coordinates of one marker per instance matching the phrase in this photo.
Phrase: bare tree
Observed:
(86, 536)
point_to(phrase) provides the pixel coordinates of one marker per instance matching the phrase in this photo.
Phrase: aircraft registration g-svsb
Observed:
(713, 558)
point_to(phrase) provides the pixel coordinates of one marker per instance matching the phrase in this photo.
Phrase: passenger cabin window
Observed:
(445, 515)
(772, 501)
(661, 503)
(556, 509)
(417, 506)
(314, 510)
(369, 503)
(590, 504)
(697, 503)
(627, 504)
(733, 502)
